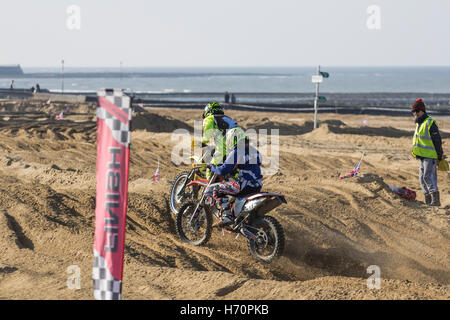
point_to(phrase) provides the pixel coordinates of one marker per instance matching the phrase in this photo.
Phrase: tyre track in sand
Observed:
(334, 229)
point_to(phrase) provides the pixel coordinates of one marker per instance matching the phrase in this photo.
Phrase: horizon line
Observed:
(199, 67)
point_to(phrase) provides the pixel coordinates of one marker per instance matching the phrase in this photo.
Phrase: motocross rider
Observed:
(247, 161)
(215, 125)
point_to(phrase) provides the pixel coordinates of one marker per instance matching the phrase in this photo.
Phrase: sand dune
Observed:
(334, 228)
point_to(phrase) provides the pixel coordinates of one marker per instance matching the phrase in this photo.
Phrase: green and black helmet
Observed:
(234, 137)
(212, 108)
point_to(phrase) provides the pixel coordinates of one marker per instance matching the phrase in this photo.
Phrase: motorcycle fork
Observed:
(197, 211)
(186, 181)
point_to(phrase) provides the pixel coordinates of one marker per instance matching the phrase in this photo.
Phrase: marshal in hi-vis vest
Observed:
(422, 144)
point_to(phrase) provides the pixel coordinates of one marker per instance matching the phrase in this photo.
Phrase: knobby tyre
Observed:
(175, 202)
(197, 233)
(272, 241)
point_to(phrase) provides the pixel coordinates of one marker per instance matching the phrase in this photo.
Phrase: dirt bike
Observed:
(180, 192)
(264, 233)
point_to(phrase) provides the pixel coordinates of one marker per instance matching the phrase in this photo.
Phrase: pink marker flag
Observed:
(157, 175)
(60, 116)
(355, 172)
(113, 153)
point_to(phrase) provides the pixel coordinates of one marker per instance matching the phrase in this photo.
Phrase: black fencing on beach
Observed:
(351, 103)
(392, 104)
(290, 108)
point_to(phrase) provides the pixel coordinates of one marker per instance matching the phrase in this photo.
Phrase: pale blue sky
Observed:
(225, 33)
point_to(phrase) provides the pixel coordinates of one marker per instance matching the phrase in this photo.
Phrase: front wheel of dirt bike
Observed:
(270, 239)
(198, 231)
(179, 196)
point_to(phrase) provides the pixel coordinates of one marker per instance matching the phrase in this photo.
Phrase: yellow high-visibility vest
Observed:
(422, 144)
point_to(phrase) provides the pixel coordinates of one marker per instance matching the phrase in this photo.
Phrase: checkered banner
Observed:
(113, 153)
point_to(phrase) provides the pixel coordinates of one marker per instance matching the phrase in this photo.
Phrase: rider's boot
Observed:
(227, 216)
(226, 220)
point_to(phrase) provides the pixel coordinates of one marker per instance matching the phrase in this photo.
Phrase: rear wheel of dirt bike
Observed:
(197, 232)
(270, 239)
(177, 196)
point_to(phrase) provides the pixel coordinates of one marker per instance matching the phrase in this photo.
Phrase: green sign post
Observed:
(317, 79)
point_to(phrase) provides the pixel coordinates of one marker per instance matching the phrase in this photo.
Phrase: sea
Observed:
(245, 79)
(258, 84)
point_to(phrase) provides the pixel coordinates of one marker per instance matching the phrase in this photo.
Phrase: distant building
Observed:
(11, 70)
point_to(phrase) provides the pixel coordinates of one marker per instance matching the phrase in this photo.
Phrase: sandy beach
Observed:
(335, 229)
